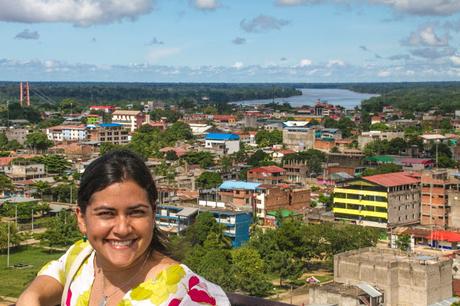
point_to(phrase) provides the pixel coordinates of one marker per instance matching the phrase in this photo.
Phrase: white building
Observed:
(67, 132)
(222, 144)
(131, 119)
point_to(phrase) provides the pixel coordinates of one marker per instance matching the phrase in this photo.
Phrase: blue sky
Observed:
(230, 40)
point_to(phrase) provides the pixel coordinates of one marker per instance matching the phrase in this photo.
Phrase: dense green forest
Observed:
(49, 92)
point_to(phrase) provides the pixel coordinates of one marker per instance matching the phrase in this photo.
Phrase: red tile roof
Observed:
(5, 161)
(268, 169)
(444, 236)
(392, 179)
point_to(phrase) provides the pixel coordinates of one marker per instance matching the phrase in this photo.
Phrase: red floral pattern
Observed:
(196, 293)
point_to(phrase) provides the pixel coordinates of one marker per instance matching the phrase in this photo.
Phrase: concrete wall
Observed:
(454, 205)
(406, 281)
(318, 296)
(299, 140)
(404, 207)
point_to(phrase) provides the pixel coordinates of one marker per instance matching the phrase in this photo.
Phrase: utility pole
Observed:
(8, 247)
(32, 219)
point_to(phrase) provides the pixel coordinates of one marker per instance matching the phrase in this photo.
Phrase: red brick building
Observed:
(270, 175)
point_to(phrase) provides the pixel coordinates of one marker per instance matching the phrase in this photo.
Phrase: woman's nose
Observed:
(122, 226)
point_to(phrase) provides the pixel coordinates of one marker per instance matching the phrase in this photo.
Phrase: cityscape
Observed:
(288, 172)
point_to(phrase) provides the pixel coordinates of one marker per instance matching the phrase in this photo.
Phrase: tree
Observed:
(265, 138)
(376, 147)
(208, 180)
(379, 127)
(403, 242)
(204, 224)
(382, 169)
(54, 163)
(396, 145)
(312, 158)
(249, 269)
(38, 141)
(5, 184)
(15, 237)
(203, 158)
(178, 131)
(62, 230)
(171, 155)
(3, 141)
(108, 146)
(260, 158)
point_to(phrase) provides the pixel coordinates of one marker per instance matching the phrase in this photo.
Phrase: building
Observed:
(67, 133)
(298, 138)
(339, 294)
(383, 200)
(93, 119)
(267, 175)
(25, 172)
(237, 225)
(115, 133)
(367, 137)
(273, 198)
(104, 108)
(297, 172)
(453, 200)
(175, 219)
(435, 208)
(405, 279)
(18, 134)
(130, 119)
(221, 143)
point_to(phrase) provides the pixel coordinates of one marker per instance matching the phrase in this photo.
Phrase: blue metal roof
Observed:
(222, 136)
(239, 185)
(110, 124)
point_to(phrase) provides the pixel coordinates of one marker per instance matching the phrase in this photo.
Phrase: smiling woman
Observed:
(121, 260)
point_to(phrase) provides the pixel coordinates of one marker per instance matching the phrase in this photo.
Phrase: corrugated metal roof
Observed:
(221, 136)
(187, 212)
(391, 179)
(369, 289)
(239, 185)
(269, 169)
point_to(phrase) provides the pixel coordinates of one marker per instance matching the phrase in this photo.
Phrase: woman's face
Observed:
(119, 223)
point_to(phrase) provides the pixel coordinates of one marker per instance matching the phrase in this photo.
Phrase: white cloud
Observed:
(423, 7)
(263, 23)
(154, 55)
(335, 62)
(77, 12)
(426, 36)
(455, 59)
(305, 62)
(238, 65)
(206, 5)
(383, 73)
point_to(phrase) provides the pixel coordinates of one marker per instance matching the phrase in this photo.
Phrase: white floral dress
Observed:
(174, 286)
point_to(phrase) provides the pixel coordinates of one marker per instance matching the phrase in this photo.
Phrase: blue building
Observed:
(175, 219)
(237, 224)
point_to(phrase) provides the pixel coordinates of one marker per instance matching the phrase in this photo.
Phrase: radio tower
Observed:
(21, 94)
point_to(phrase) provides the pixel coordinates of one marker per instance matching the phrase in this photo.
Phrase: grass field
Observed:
(14, 280)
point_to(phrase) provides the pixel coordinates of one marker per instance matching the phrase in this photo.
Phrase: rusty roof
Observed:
(392, 179)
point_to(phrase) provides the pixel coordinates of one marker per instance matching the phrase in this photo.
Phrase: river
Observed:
(343, 97)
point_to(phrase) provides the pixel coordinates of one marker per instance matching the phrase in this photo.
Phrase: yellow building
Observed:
(384, 200)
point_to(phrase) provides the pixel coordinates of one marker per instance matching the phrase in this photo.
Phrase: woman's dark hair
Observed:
(114, 167)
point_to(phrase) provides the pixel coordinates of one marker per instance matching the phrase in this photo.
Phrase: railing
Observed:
(244, 300)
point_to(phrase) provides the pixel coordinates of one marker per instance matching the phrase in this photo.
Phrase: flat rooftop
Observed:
(385, 256)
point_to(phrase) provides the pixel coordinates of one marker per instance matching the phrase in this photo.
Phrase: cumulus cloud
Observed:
(455, 59)
(27, 34)
(238, 65)
(305, 62)
(263, 23)
(426, 36)
(155, 55)
(423, 7)
(205, 5)
(433, 53)
(383, 73)
(155, 41)
(239, 41)
(77, 12)
(335, 62)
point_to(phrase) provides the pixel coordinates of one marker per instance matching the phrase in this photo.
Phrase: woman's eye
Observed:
(105, 214)
(137, 212)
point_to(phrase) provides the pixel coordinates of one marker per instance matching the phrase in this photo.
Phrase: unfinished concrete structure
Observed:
(406, 279)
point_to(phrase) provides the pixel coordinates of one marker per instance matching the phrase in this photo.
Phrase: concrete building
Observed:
(435, 206)
(18, 134)
(175, 219)
(267, 175)
(298, 138)
(297, 172)
(405, 279)
(453, 200)
(383, 200)
(25, 172)
(67, 133)
(222, 144)
(367, 137)
(131, 119)
(345, 295)
(115, 133)
(237, 225)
